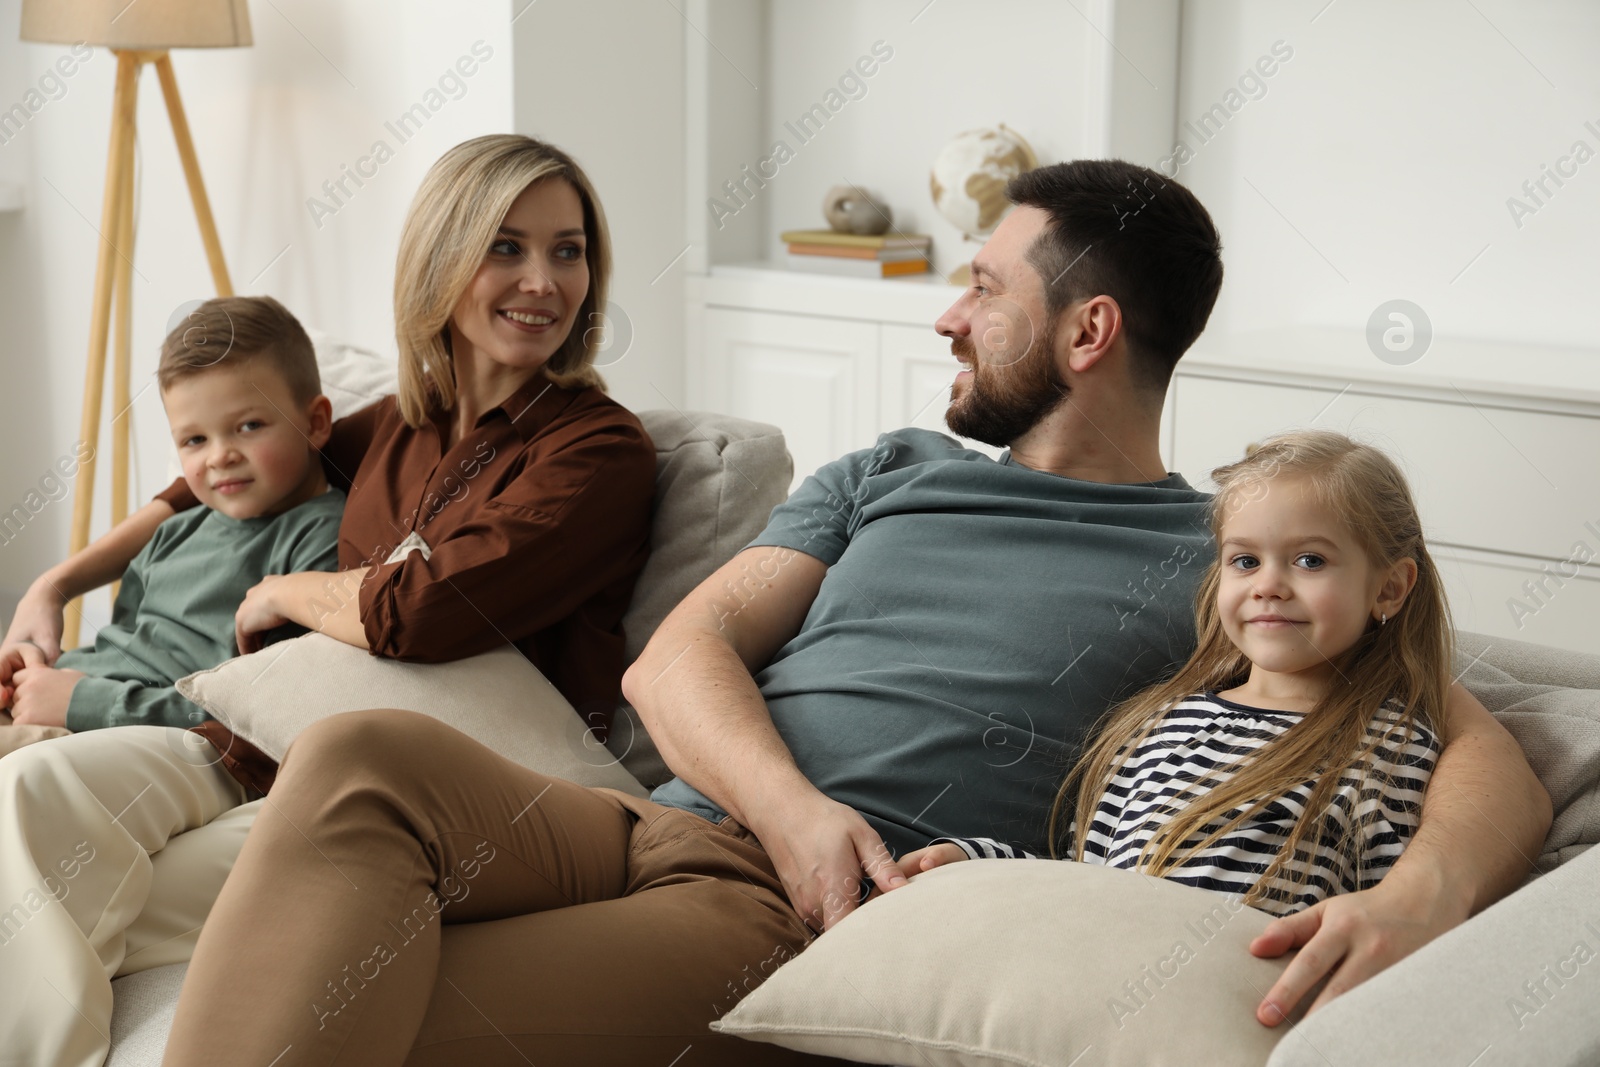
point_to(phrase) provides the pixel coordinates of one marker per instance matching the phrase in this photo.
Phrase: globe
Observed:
(969, 177)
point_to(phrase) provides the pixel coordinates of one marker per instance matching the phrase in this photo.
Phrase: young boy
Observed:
(239, 382)
(84, 816)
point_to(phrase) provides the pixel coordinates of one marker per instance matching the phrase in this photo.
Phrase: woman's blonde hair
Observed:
(448, 231)
(1404, 660)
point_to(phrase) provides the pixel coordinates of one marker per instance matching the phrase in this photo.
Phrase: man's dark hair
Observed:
(1136, 236)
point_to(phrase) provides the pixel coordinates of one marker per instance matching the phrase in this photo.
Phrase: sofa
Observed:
(719, 477)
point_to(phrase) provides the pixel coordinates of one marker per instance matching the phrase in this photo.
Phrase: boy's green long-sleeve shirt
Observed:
(174, 614)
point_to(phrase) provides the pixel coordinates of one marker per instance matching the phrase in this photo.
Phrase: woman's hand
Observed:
(42, 695)
(326, 602)
(37, 624)
(1348, 939)
(261, 610)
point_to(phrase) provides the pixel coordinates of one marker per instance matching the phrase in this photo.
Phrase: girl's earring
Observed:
(1385, 620)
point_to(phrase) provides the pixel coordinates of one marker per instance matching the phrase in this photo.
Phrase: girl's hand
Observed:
(923, 859)
(258, 613)
(926, 859)
(42, 695)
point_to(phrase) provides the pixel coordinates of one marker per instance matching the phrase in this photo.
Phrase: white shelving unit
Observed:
(834, 361)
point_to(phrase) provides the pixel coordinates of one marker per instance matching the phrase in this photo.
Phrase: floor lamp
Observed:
(137, 33)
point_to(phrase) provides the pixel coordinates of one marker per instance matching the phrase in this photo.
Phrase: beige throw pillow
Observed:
(498, 699)
(1027, 962)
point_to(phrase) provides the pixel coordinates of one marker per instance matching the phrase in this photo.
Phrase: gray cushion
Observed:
(145, 1003)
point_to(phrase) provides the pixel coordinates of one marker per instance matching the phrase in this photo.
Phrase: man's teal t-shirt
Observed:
(976, 620)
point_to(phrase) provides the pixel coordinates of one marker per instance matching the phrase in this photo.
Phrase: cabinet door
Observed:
(1507, 497)
(1543, 601)
(1494, 479)
(816, 379)
(917, 370)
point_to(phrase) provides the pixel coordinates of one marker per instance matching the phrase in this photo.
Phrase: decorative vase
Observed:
(849, 210)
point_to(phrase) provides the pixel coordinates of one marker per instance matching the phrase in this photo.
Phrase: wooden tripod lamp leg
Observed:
(119, 163)
(191, 172)
(113, 276)
(122, 362)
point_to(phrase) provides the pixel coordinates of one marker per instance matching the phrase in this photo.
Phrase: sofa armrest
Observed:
(1520, 980)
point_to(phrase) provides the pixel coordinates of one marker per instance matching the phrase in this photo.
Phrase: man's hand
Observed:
(1348, 939)
(41, 696)
(37, 624)
(259, 612)
(820, 849)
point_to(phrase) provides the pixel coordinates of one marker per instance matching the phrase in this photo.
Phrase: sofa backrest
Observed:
(1549, 700)
(717, 480)
(1527, 662)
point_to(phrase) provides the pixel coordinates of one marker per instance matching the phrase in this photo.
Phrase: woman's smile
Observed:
(518, 310)
(535, 321)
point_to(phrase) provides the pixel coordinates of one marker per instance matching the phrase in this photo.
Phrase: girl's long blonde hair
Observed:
(449, 229)
(1405, 660)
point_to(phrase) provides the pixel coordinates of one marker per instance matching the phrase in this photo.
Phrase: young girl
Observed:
(1286, 761)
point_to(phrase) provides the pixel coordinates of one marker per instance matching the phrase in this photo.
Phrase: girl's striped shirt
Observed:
(1200, 737)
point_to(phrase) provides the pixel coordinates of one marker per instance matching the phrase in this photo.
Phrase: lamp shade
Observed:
(140, 24)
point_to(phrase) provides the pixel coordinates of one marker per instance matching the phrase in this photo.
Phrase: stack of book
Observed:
(885, 256)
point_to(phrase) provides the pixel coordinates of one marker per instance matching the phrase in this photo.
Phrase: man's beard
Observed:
(1003, 403)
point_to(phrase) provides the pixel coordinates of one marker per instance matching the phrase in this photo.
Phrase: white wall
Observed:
(1377, 164)
(271, 123)
(604, 80)
(25, 437)
(957, 65)
(1391, 143)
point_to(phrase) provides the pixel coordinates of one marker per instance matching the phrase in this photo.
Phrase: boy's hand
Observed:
(257, 614)
(37, 624)
(41, 695)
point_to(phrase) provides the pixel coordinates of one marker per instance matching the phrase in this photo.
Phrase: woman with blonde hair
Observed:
(500, 497)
